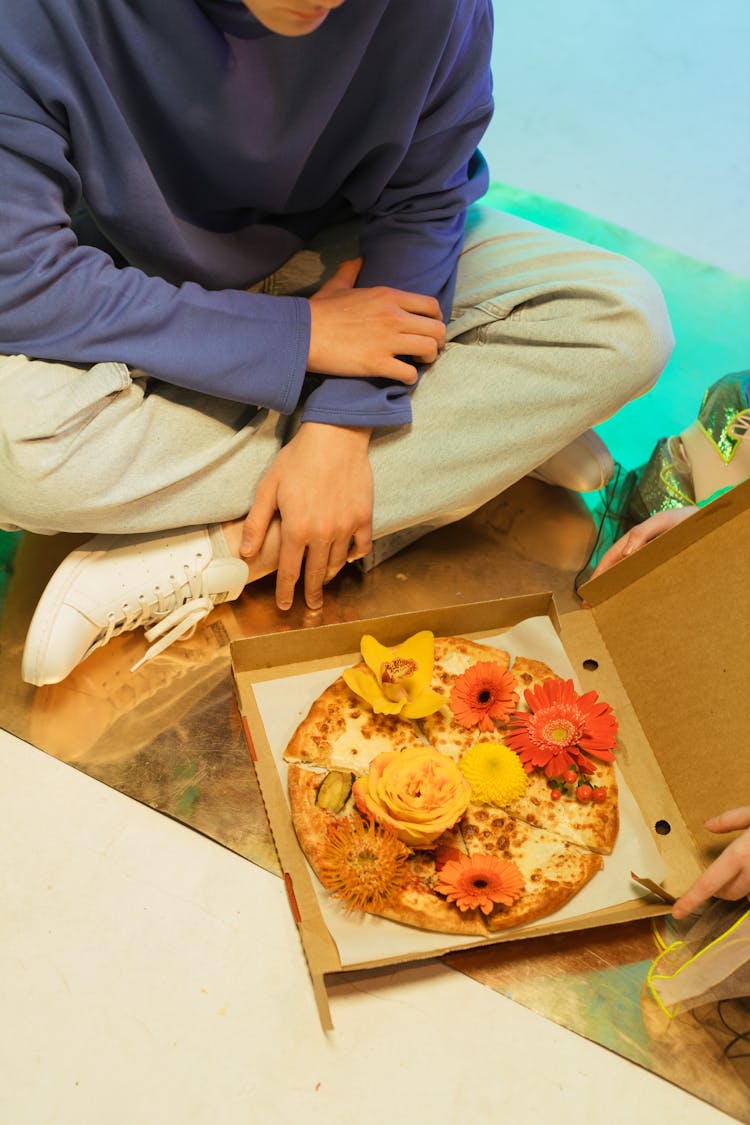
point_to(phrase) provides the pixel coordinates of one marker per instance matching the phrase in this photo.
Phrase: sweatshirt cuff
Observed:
(359, 402)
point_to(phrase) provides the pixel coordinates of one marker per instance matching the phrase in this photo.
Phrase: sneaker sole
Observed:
(37, 639)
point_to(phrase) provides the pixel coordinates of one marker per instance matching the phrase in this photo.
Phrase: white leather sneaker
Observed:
(114, 583)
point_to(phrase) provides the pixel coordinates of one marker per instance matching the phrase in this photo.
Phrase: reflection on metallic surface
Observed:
(593, 982)
(169, 735)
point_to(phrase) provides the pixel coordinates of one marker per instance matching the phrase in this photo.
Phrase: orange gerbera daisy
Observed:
(362, 863)
(483, 693)
(562, 728)
(480, 880)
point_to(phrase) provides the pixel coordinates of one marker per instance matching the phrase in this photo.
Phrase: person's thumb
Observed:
(345, 277)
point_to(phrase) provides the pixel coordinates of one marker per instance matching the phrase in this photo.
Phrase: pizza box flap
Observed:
(671, 618)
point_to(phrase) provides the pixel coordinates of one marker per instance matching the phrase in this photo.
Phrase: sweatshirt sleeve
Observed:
(412, 235)
(64, 301)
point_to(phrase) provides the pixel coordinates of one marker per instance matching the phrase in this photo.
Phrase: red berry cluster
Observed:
(574, 784)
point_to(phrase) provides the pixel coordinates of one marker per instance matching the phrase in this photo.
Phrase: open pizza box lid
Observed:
(663, 643)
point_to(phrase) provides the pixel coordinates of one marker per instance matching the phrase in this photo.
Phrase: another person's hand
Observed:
(362, 332)
(641, 534)
(728, 876)
(320, 484)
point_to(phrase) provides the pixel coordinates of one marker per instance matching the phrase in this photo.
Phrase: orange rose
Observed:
(418, 793)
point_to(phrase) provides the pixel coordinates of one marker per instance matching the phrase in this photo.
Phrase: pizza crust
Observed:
(528, 674)
(453, 657)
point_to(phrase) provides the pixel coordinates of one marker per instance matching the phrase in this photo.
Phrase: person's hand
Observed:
(641, 534)
(728, 876)
(320, 484)
(362, 332)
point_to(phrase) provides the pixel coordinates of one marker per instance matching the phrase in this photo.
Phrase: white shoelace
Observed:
(172, 614)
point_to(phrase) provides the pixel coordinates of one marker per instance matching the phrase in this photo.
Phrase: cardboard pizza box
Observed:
(663, 643)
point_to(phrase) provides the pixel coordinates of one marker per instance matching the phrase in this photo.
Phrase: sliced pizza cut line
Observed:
(341, 732)
(553, 869)
(410, 899)
(590, 825)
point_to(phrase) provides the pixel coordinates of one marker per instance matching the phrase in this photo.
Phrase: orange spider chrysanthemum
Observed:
(362, 863)
(480, 880)
(562, 729)
(483, 693)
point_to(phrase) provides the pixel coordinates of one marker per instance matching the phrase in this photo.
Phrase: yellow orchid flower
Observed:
(396, 681)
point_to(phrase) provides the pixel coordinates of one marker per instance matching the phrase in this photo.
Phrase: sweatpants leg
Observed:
(549, 336)
(106, 449)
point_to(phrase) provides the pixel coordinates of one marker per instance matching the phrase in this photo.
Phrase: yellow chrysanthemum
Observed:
(495, 774)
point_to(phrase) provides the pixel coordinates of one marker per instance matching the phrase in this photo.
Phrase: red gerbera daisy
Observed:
(480, 880)
(482, 693)
(562, 728)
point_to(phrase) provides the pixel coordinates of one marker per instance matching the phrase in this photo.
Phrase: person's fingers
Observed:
(361, 544)
(735, 888)
(316, 569)
(417, 303)
(345, 277)
(610, 557)
(714, 877)
(258, 519)
(398, 370)
(639, 535)
(727, 877)
(730, 821)
(337, 558)
(290, 567)
(423, 348)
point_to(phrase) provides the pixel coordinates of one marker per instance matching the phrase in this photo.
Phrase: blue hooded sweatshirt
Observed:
(159, 157)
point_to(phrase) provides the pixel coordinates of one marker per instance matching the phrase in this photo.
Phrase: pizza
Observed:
(441, 785)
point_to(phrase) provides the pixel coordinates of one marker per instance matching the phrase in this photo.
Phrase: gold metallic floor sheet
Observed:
(169, 736)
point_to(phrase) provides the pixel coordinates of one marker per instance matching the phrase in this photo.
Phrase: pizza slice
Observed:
(453, 657)
(528, 674)
(359, 863)
(340, 731)
(591, 824)
(553, 870)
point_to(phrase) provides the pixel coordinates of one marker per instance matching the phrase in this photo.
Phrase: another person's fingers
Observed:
(641, 534)
(727, 877)
(704, 887)
(730, 821)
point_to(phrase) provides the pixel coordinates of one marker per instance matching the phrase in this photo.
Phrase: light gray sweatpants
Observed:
(548, 336)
